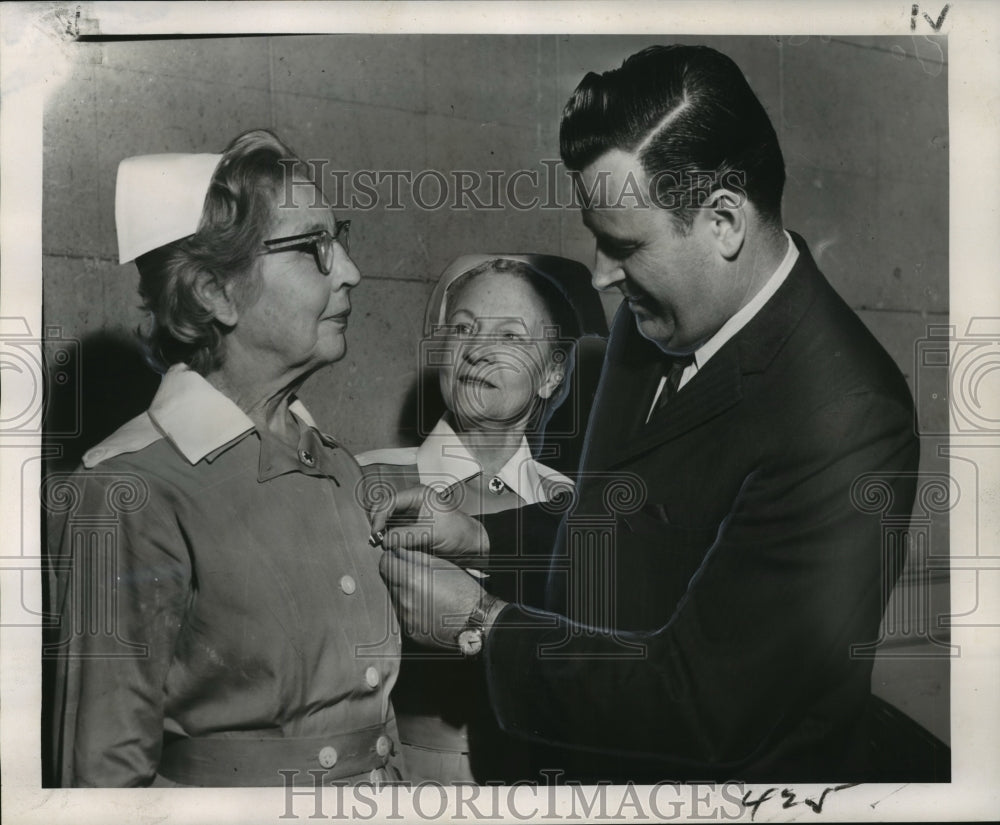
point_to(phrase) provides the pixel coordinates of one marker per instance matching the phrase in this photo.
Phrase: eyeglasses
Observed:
(321, 243)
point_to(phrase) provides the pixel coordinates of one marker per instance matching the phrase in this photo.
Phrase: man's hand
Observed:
(433, 597)
(421, 519)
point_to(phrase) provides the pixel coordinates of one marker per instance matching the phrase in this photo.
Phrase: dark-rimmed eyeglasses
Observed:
(321, 242)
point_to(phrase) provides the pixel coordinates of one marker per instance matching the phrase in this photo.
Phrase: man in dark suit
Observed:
(715, 569)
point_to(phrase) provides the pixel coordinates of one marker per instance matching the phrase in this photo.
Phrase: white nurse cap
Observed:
(159, 199)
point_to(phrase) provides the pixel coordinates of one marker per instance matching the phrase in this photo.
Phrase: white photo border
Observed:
(972, 29)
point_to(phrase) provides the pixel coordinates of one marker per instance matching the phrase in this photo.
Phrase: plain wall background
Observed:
(862, 122)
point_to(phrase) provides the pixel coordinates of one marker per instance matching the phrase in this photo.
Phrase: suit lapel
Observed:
(713, 390)
(630, 373)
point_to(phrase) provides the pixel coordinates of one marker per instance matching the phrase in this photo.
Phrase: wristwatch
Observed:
(470, 637)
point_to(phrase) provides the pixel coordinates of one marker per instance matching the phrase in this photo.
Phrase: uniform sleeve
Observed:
(122, 584)
(795, 576)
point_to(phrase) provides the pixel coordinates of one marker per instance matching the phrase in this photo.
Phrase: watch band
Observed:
(471, 636)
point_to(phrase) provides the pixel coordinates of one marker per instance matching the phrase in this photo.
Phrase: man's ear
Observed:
(553, 378)
(727, 217)
(217, 298)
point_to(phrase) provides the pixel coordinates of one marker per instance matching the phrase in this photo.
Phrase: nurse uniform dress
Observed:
(222, 614)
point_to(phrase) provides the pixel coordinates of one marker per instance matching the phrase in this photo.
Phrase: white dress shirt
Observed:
(736, 323)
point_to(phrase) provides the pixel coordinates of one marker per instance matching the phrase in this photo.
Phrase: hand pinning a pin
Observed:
(399, 517)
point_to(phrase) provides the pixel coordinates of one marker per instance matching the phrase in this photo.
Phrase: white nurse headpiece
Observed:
(159, 199)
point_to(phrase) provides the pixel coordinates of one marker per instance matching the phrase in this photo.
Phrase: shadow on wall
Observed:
(100, 385)
(92, 387)
(422, 407)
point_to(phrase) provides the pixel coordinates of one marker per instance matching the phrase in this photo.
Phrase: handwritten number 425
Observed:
(915, 10)
(788, 796)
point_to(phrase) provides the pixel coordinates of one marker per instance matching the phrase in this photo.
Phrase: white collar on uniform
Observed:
(198, 419)
(443, 458)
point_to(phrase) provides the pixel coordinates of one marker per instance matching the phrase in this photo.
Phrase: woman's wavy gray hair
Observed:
(238, 211)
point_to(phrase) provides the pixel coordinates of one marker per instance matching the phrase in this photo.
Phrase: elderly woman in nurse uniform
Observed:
(502, 331)
(252, 633)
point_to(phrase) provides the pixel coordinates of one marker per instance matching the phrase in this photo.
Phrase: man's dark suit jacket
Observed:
(721, 560)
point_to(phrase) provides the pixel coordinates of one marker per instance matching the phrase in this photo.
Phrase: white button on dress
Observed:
(328, 757)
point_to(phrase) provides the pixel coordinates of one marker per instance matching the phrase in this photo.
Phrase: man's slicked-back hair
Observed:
(682, 110)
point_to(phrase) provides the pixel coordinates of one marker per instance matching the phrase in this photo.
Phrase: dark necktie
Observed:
(675, 369)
